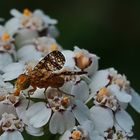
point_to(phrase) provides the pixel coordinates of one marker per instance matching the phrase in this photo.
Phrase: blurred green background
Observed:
(109, 28)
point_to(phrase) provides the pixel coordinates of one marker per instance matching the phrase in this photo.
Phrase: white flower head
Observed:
(46, 45)
(85, 131)
(63, 110)
(86, 61)
(55, 92)
(36, 20)
(6, 41)
(11, 126)
(7, 98)
(115, 135)
(109, 82)
(6, 88)
(118, 79)
(10, 122)
(105, 98)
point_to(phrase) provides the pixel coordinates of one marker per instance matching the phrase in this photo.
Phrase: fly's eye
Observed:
(26, 84)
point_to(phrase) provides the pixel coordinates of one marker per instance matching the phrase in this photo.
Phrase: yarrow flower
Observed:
(36, 20)
(46, 90)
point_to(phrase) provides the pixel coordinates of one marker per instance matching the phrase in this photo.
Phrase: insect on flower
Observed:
(45, 74)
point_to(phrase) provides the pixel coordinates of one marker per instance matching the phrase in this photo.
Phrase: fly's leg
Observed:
(30, 92)
(46, 99)
(65, 93)
(45, 93)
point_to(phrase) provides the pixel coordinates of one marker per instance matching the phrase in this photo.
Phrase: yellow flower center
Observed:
(65, 101)
(7, 47)
(102, 92)
(76, 135)
(5, 36)
(7, 124)
(82, 61)
(120, 82)
(2, 98)
(53, 47)
(26, 12)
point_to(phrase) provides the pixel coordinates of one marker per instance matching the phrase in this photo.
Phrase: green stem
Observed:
(36, 99)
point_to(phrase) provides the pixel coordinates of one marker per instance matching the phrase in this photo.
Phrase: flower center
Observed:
(2, 98)
(26, 12)
(5, 36)
(7, 47)
(122, 83)
(9, 99)
(65, 101)
(53, 47)
(102, 92)
(10, 122)
(59, 103)
(82, 61)
(76, 135)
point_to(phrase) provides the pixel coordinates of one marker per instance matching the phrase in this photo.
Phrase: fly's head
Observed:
(22, 83)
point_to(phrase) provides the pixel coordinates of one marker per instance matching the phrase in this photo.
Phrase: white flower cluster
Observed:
(89, 106)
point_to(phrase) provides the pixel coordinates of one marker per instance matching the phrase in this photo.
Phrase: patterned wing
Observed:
(52, 62)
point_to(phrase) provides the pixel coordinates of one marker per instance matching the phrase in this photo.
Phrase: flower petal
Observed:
(38, 114)
(121, 95)
(25, 37)
(28, 52)
(81, 112)
(69, 56)
(11, 136)
(93, 66)
(19, 66)
(135, 102)
(81, 91)
(56, 124)
(67, 87)
(61, 122)
(39, 93)
(22, 108)
(5, 59)
(12, 71)
(34, 131)
(102, 118)
(69, 120)
(15, 13)
(12, 25)
(99, 80)
(124, 120)
(10, 76)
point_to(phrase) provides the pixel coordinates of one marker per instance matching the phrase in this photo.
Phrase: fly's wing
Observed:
(52, 62)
